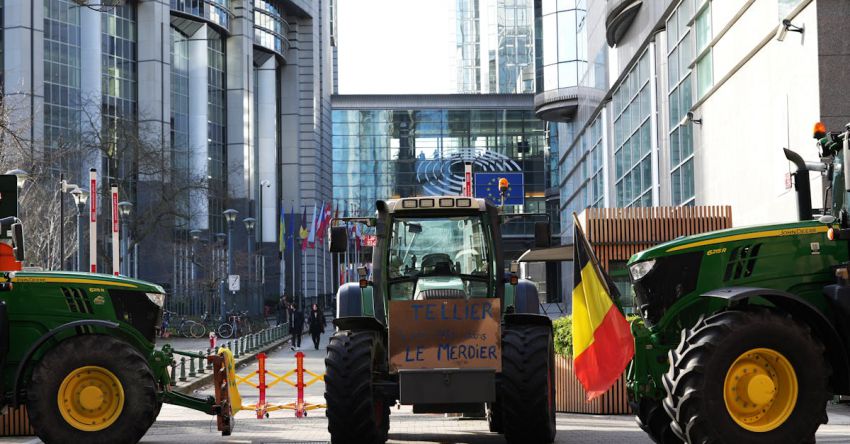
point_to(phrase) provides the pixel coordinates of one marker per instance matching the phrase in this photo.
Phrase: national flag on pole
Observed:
(602, 341)
(326, 220)
(290, 235)
(282, 234)
(311, 238)
(303, 233)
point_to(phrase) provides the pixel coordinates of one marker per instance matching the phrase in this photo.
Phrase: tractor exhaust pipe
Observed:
(801, 185)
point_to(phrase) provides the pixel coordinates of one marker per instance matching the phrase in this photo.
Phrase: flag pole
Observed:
(592, 257)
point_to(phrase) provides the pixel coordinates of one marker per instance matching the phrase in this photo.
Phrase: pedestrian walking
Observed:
(317, 325)
(297, 329)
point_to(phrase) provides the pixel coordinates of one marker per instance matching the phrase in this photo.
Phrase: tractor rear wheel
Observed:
(92, 389)
(528, 384)
(747, 376)
(356, 412)
(653, 420)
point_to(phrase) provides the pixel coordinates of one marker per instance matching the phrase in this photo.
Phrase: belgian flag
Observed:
(602, 341)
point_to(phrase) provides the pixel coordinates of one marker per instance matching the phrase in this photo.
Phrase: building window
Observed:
(584, 184)
(633, 137)
(62, 99)
(119, 80)
(681, 41)
(564, 50)
(217, 120)
(703, 51)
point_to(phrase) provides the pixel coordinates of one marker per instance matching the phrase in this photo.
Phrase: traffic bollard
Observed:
(236, 343)
(192, 373)
(209, 363)
(201, 363)
(182, 369)
(173, 373)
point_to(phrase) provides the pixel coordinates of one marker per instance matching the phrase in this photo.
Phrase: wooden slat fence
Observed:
(615, 235)
(15, 423)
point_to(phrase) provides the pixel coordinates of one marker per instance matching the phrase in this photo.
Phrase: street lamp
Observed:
(124, 209)
(64, 187)
(21, 176)
(230, 217)
(250, 223)
(222, 286)
(81, 197)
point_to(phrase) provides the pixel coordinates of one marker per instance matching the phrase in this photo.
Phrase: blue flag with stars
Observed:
(487, 187)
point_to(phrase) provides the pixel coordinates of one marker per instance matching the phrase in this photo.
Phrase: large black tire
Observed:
(653, 420)
(139, 408)
(495, 419)
(357, 414)
(699, 365)
(528, 384)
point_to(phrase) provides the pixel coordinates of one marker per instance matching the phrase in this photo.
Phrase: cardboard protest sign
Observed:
(445, 333)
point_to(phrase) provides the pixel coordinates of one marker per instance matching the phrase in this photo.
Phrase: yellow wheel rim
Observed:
(760, 390)
(90, 398)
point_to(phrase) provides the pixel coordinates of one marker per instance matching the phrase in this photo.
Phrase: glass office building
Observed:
(201, 83)
(384, 152)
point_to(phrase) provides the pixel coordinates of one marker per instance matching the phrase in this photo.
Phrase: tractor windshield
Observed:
(438, 256)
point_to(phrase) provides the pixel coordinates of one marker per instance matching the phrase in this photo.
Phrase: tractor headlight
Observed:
(640, 269)
(157, 298)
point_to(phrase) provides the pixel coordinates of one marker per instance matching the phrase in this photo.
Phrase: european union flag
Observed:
(487, 187)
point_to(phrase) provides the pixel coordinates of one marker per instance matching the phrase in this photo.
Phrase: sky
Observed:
(395, 46)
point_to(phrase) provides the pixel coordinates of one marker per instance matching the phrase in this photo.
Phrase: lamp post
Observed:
(81, 197)
(193, 294)
(124, 210)
(21, 176)
(222, 286)
(64, 187)
(250, 223)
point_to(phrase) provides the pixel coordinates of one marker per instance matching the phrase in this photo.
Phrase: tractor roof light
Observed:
(820, 130)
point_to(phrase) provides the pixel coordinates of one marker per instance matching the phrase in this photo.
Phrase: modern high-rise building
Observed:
(192, 107)
(688, 102)
(390, 146)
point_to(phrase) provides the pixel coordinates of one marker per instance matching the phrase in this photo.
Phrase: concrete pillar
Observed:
(198, 132)
(91, 91)
(23, 68)
(267, 146)
(240, 107)
(154, 71)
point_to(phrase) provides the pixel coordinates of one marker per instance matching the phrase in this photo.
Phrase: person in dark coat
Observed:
(317, 325)
(297, 329)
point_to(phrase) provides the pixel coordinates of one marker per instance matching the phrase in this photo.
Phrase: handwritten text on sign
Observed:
(445, 334)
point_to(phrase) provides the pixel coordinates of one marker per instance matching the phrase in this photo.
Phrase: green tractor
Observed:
(743, 333)
(437, 324)
(78, 351)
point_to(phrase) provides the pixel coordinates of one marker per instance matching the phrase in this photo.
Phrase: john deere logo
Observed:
(99, 300)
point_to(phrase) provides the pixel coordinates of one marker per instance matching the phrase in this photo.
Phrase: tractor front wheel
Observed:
(92, 389)
(653, 420)
(356, 412)
(747, 376)
(528, 384)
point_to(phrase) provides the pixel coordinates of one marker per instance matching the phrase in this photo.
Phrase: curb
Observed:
(207, 379)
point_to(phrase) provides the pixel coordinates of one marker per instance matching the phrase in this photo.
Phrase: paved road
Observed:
(179, 425)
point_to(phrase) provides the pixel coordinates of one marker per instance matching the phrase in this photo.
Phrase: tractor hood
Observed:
(105, 281)
(715, 239)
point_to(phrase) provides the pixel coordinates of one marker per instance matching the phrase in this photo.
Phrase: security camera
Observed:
(786, 26)
(781, 32)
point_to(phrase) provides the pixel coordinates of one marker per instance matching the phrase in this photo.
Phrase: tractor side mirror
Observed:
(542, 238)
(18, 239)
(339, 239)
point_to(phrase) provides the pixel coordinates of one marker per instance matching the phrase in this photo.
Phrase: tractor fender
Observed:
(526, 299)
(348, 300)
(358, 323)
(44, 338)
(804, 311)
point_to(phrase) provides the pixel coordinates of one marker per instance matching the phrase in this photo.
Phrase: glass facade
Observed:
(119, 74)
(380, 154)
(180, 101)
(61, 72)
(563, 59)
(680, 56)
(494, 46)
(633, 137)
(270, 28)
(703, 50)
(582, 168)
(217, 121)
(214, 11)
